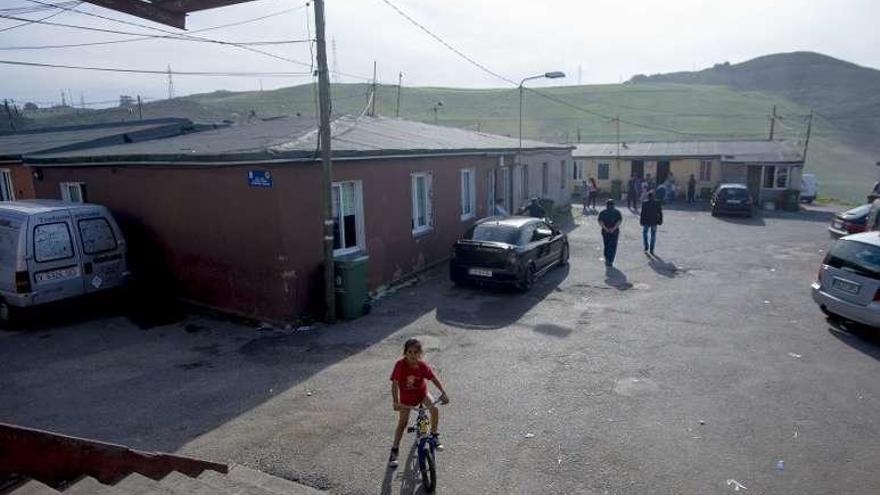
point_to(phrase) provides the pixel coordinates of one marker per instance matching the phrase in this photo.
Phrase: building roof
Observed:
(296, 139)
(727, 151)
(56, 139)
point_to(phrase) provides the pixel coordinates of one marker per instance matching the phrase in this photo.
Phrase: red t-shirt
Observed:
(411, 381)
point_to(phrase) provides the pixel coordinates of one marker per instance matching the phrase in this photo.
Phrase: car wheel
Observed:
(7, 315)
(563, 258)
(527, 280)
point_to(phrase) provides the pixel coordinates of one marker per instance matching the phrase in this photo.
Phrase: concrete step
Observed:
(222, 482)
(185, 485)
(33, 487)
(274, 484)
(90, 486)
(138, 484)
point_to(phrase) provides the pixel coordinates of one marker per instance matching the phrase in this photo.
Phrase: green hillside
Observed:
(648, 109)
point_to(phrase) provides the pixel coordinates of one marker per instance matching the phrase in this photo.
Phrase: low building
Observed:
(770, 169)
(235, 214)
(16, 181)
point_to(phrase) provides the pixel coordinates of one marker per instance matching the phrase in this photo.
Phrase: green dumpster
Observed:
(616, 188)
(351, 285)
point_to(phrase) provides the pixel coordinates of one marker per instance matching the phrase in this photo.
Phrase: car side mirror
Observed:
(541, 234)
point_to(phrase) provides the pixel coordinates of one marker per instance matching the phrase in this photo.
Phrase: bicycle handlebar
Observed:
(416, 408)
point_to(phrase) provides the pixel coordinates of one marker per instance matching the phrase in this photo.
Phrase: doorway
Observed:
(638, 168)
(662, 171)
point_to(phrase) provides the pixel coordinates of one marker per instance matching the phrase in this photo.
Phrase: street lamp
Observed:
(547, 75)
(436, 107)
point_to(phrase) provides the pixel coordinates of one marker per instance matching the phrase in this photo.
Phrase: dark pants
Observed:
(690, 195)
(610, 242)
(632, 199)
(593, 199)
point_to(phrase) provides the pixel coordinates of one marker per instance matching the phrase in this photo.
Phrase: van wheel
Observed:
(7, 314)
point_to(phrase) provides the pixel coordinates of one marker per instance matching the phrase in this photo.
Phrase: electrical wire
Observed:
(161, 72)
(28, 22)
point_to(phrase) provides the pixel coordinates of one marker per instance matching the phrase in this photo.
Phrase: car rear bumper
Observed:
(460, 273)
(868, 315)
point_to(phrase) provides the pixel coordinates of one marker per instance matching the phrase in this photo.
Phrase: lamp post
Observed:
(547, 75)
(437, 107)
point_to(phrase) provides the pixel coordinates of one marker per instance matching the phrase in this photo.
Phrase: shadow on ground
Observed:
(857, 336)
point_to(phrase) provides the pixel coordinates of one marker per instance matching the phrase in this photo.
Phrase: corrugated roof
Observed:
(15, 144)
(728, 151)
(297, 138)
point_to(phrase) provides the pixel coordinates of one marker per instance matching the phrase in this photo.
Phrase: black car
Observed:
(510, 250)
(732, 199)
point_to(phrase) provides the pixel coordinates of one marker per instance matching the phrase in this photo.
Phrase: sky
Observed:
(593, 42)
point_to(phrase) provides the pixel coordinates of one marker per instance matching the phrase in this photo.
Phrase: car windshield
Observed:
(856, 256)
(858, 211)
(734, 193)
(494, 232)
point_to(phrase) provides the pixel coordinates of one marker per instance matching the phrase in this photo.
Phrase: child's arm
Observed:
(395, 396)
(443, 398)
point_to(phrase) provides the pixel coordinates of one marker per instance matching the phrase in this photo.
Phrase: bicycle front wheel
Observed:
(429, 472)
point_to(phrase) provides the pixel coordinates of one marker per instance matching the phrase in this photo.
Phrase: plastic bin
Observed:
(351, 285)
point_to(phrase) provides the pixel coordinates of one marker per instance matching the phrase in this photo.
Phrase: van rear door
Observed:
(53, 258)
(103, 250)
(12, 269)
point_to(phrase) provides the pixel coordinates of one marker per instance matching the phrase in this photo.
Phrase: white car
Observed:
(848, 286)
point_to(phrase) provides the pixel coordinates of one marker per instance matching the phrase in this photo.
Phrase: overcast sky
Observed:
(605, 41)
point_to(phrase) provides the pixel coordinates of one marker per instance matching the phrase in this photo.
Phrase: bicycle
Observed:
(425, 445)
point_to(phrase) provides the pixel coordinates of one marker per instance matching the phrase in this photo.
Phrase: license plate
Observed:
(845, 286)
(56, 275)
(734, 201)
(480, 272)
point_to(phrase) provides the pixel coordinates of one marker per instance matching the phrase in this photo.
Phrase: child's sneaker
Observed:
(392, 459)
(438, 445)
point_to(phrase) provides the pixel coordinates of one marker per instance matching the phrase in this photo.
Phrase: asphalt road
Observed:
(703, 371)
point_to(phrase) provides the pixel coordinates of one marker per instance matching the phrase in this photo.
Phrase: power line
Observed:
(97, 43)
(28, 22)
(162, 72)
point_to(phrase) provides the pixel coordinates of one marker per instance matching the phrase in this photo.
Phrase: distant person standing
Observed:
(692, 189)
(651, 217)
(594, 191)
(586, 196)
(610, 220)
(631, 196)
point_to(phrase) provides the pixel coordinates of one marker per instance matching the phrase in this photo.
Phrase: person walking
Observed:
(610, 220)
(692, 189)
(651, 217)
(631, 196)
(594, 191)
(586, 196)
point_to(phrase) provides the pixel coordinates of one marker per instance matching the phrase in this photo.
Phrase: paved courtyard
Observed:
(699, 372)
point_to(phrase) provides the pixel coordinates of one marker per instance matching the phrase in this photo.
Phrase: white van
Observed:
(809, 187)
(53, 250)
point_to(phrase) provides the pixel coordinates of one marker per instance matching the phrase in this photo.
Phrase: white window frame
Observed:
(468, 184)
(359, 218)
(705, 170)
(65, 191)
(776, 176)
(417, 227)
(578, 170)
(7, 191)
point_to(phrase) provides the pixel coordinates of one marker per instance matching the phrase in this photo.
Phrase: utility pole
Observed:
(617, 160)
(809, 129)
(140, 109)
(772, 122)
(63, 99)
(326, 165)
(170, 84)
(9, 114)
(82, 101)
(579, 134)
(373, 99)
(399, 82)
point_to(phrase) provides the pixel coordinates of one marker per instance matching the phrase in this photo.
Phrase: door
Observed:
(507, 187)
(491, 177)
(662, 171)
(54, 263)
(542, 244)
(754, 183)
(103, 263)
(638, 168)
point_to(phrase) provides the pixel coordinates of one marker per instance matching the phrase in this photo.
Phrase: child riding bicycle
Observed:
(408, 389)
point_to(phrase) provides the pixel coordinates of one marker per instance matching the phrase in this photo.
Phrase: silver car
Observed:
(848, 285)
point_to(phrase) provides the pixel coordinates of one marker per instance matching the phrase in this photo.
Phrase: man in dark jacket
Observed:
(652, 216)
(609, 221)
(534, 209)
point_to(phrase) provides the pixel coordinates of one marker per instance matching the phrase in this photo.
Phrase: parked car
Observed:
(54, 250)
(510, 250)
(848, 285)
(732, 199)
(809, 188)
(850, 221)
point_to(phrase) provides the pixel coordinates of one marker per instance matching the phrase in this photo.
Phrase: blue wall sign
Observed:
(260, 178)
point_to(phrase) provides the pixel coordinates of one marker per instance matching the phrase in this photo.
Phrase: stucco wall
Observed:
(557, 184)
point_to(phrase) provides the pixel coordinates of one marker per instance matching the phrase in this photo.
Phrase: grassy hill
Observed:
(701, 105)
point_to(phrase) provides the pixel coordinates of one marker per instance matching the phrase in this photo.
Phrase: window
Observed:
(52, 242)
(525, 181)
(97, 236)
(706, 171)
(545, 178)
(604, 171)
(422, 218)
(348, 223)
(578, 171)
(7, 193)
(775, 177)
(468, 193)
(491, 174)
(562, 174)
(74, 192)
